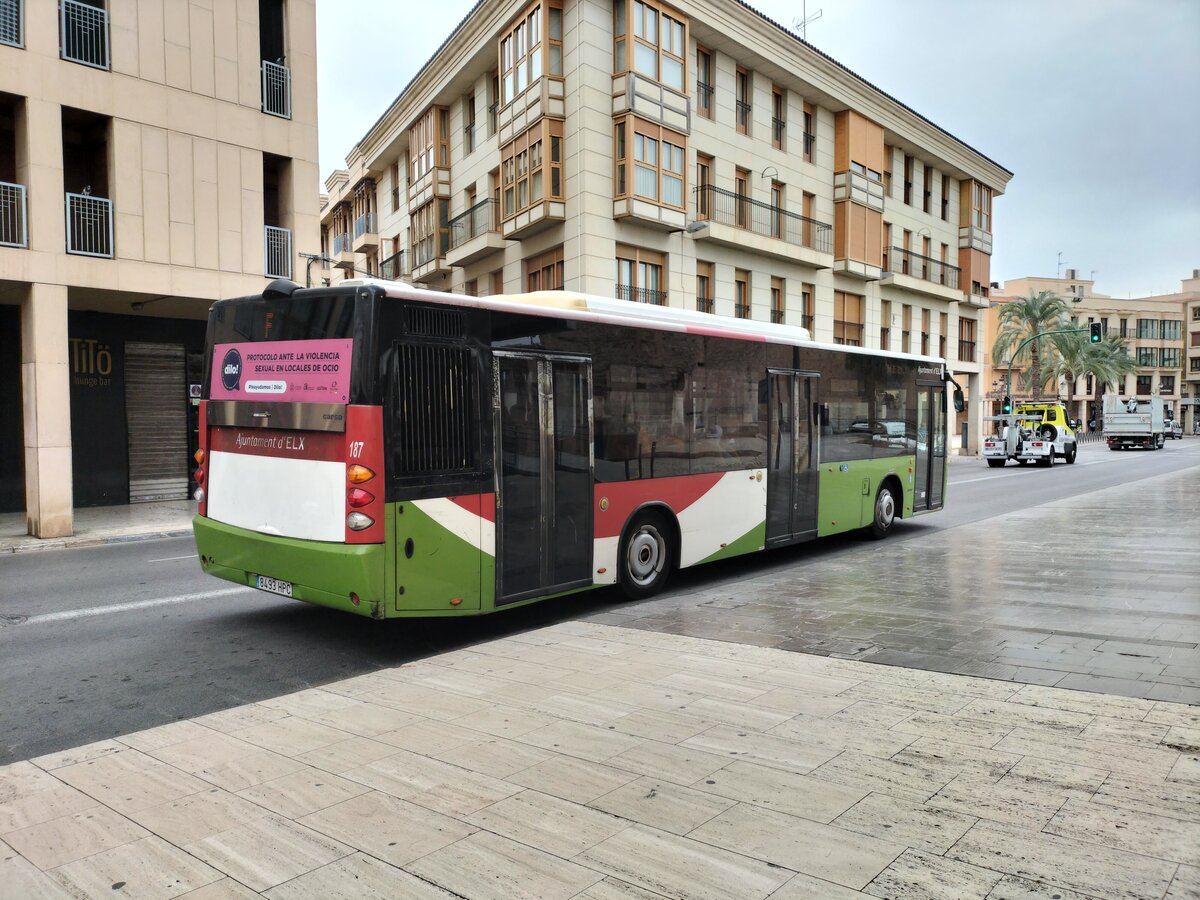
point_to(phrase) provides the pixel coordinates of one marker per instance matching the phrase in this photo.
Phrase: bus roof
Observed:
(594, 308)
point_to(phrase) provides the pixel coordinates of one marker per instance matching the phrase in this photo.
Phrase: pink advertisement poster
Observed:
(282, 371)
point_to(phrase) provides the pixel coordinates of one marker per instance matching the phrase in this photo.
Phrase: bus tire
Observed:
(995, 463)
(647, 554)
(885, 511)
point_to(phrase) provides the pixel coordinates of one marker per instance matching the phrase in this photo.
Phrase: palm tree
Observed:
(1024, 318)
(1110, 362)
(1076, 356)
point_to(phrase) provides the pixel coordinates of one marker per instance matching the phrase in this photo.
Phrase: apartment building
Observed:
(1163, 333)
(696, 155)
(154, 157)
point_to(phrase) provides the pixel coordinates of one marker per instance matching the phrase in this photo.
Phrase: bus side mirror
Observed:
(959, 403)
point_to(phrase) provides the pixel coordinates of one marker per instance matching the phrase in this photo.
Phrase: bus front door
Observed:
(931, 447)
(791, 457)
(544, 475)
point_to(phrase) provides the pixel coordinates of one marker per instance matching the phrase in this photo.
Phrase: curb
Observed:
(36, 545)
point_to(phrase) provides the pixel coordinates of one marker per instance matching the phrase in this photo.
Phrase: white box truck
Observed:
(1134, 422)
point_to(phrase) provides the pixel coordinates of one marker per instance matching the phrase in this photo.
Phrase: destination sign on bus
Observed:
(288, 371)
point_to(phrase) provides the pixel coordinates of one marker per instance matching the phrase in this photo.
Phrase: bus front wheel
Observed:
(885, 513)
(647, 554)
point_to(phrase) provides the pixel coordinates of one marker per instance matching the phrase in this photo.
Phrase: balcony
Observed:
(89, 226)
(13, 221)
(641, 295)
(858, 187)
(741, 310)
(429, 258)
(705, 305)
(744, 111)
(777, 316)
(966, 351)
(737, 221)
(83, 30)
(474, 234)
(920, 274)
(276, 90)
(778, 130)
(342, 255)
(978, 297)
(366, 234)
(277, 252)
(12, 30)
(974, 238)
(704, 99)
(810, 143)
(393, 268)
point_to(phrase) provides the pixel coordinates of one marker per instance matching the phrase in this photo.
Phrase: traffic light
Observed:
(1096, 332)
(1006, 406)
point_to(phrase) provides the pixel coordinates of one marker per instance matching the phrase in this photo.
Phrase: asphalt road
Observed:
(105, 641)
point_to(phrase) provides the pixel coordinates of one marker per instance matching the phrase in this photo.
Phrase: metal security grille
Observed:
(431, 322)
(84, 33)
(12, 215)
(11, 31)
(156, 418)
(435, 391)
(277, 254)
(89, 225)
(276, 90)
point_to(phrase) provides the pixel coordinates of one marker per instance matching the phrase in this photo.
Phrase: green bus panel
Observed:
(320, 572)
(434, 566)
(847, 492)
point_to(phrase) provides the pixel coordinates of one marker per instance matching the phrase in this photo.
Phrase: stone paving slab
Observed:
(589, 761)
(1081, 593)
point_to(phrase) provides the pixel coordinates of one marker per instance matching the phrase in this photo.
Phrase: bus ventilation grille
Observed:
(435, 391)
(429, 321)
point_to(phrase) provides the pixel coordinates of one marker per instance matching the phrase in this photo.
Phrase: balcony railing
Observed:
(966, 351)
(393, 267)
(276, 89)
(641, 295)
(277, 252)
(341, 244)
(83, 30)
(743, 115)
(777, 316)
(806, 321)
(810, 141)
(364, 224)
(729, 208)
(741, 310)
(13, 221)
(89, 225)
(479, 219)
(469, 137)
(778, 126)
(704, 97)
(924, 267)
(12, 29)
(705, 304)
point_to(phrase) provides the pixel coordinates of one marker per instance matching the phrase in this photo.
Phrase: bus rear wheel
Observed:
(995, 463)
(885, 513)
(646, 555)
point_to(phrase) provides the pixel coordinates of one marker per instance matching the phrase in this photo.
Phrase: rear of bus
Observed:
(290, 479)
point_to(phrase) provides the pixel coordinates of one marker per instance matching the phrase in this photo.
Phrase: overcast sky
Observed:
(1093, 104)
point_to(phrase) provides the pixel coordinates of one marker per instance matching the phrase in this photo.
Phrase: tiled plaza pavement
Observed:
(1097, 593)
(591, 761)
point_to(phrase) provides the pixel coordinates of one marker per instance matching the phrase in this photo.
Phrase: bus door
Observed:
(931, 447)
(544, 471)
(791, 456)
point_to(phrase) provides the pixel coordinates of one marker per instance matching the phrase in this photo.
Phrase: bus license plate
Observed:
(274, 585)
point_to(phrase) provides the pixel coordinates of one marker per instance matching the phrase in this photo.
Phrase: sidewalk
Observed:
(593, 761)
(103, 525)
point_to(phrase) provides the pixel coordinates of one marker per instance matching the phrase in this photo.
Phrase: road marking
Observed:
(68, 615)
(173, 558)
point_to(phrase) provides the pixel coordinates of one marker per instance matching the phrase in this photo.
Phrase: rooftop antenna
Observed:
(801, 24)
(1059, 274)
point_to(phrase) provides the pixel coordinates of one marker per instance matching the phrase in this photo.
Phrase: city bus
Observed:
(392, 451)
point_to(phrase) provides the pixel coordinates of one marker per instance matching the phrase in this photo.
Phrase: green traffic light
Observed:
(1096, 331)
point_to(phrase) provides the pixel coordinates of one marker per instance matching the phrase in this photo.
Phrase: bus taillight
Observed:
(358, 474)
(200, 495)
(364, 462)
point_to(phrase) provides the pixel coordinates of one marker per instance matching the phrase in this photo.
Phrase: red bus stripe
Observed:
(678, 493)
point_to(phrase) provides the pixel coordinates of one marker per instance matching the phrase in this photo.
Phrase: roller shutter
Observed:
(156, 416)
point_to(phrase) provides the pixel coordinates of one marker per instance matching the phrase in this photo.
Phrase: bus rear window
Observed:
(295, 318)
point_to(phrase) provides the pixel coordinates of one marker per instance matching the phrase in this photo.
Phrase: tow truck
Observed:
(1032, 432)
